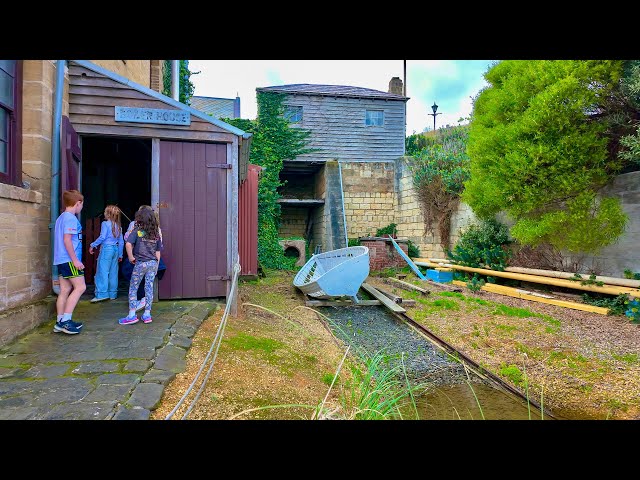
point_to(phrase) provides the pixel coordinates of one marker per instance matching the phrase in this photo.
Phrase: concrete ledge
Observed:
(16, 321)
(18, 193)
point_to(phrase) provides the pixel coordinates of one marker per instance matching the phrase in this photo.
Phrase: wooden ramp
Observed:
(387, 302)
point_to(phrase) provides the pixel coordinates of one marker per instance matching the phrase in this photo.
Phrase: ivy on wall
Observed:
(186, 87)
(273, 142)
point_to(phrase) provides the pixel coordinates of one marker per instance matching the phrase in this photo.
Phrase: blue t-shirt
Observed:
(67, 223)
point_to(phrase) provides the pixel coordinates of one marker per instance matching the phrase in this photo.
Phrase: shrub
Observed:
(388, 230)
(413, 250)
(483, 245)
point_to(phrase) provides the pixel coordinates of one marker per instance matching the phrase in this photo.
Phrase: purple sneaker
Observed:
(128, 320)
(147, 319)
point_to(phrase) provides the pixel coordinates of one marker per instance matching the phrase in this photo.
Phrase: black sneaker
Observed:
(66, 327)
(78, 325)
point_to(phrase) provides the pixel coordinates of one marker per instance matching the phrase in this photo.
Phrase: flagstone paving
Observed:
(108, 371)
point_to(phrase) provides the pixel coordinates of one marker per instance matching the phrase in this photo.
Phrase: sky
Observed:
(448, 83)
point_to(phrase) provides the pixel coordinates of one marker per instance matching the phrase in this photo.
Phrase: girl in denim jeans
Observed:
(110, 238)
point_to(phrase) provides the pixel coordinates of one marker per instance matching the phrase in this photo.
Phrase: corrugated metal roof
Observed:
(333, 91)
(216, 107)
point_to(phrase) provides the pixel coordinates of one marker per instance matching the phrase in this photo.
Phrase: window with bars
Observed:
(293, 113)
(10, 107)
(374, 118)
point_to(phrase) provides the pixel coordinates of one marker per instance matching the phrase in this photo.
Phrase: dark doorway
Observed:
(114, 171)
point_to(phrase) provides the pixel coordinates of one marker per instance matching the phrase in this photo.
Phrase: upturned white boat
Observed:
(336, 273)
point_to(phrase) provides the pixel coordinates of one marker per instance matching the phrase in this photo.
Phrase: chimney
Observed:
(395, 86)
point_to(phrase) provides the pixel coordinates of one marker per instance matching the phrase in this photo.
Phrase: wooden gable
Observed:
(93, 98)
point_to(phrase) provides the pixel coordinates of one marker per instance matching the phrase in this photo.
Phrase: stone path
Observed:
(108, 371)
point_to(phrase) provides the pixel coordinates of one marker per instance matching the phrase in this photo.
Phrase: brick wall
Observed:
(137, 70)
(382, 253)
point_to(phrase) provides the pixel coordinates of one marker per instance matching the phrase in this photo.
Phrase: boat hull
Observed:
(349, 268)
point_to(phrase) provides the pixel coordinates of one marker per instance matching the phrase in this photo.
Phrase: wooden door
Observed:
(193, 218)
(70, 159)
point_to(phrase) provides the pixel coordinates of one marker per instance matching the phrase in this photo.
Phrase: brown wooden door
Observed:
(193, 218)
(70, 159)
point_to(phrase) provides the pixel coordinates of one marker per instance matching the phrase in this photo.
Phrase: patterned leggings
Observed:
(148, 271)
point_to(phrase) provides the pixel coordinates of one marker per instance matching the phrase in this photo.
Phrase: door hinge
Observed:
(218, 277)
(220, 165)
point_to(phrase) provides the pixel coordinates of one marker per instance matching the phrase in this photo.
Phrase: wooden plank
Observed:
(406, 285)
(443, 286)
(513, 292)
(394, 307)
(341, 303)
(607, 289)
(391, 296)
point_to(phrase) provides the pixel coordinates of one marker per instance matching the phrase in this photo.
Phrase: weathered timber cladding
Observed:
(338, 128)
(93, 98)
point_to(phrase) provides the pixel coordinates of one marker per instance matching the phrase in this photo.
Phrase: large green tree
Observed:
(540, 151)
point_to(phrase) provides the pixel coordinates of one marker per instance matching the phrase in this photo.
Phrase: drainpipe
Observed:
(55, 164)
(175, 80)
(344, 217)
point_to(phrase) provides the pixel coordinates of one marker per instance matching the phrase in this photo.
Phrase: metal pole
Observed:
(55, 164)
(175, 80)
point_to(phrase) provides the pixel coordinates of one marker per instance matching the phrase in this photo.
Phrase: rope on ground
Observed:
(216, 343)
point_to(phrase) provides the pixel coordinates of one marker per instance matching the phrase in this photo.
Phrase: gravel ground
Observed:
(372, 329)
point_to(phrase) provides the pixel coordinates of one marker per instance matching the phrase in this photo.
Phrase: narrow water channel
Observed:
(452, 396)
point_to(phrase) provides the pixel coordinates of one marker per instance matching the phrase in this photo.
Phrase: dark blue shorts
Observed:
(67, 270)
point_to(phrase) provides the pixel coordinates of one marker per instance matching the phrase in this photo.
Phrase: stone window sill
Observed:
(17, 193)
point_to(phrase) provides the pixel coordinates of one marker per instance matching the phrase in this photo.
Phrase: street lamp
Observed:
(434, 107)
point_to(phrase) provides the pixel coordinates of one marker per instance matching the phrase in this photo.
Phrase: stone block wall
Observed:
(625, 253)
(137, 70)
(369, 199)
(156, 73)
(410, 221)
(293, 222)
(382, 253)
(25, 260)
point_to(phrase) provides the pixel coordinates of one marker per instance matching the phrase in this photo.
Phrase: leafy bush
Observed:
(353, 242)
(412, 249)
(482, 245)
(476, 283)
(616, 305)
(388, 230)
(439, 171)
(630, 275)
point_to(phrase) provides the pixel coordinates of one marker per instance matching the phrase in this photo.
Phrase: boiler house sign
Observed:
(152, 115)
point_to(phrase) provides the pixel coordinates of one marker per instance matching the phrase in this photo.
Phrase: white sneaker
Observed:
(141, 304)
(96, 299)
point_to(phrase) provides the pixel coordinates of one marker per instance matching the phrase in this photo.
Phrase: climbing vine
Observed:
(273, 141)
(185, 88)
(439, 171)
